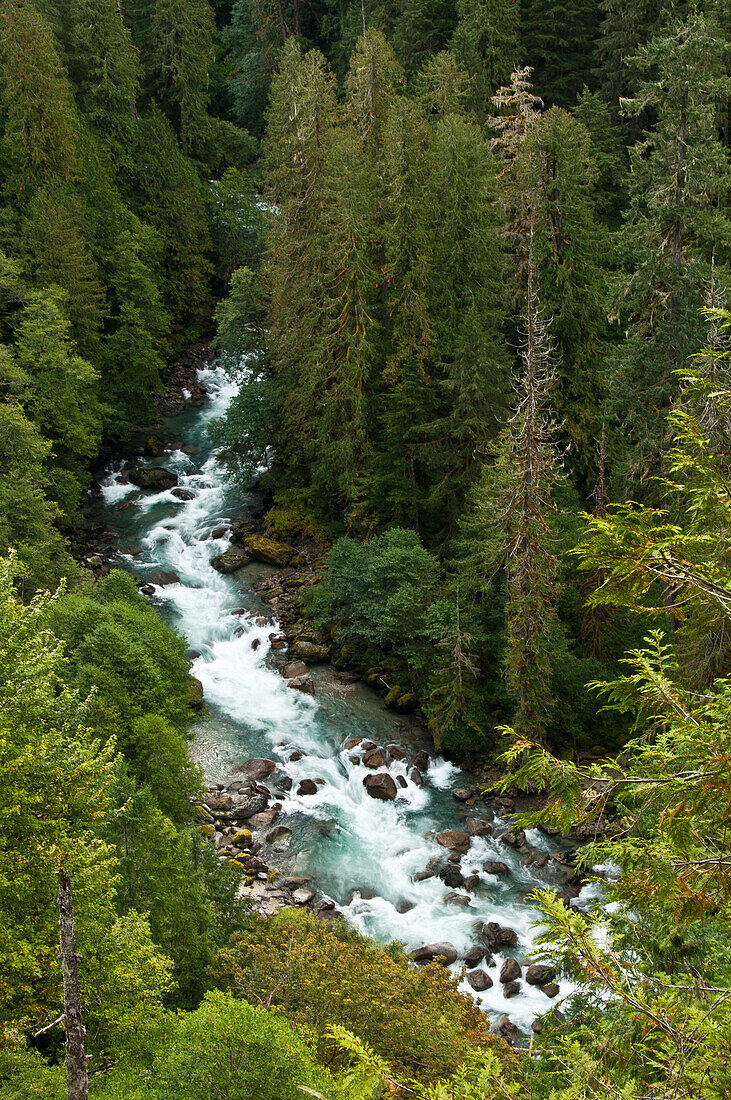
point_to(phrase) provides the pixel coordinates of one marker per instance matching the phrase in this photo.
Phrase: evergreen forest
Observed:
(465, 265)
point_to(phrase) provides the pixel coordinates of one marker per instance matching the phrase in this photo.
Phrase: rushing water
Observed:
(360, 852)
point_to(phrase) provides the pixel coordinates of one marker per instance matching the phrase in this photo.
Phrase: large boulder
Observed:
(264, 818)
(473, 957)
(156, 478)
(540, 974)
(421, 760)
(510, 971)
(230, 561)
(250, 806)
(443, 952)
(376, 758)
(495, 867)
(255, 768)
(456, 841)
(269, 551)
(511, 989)
(293, 669)
(496, 936)
(303, 683)
(310, 652)
(451, 875)
(381, 786)
(480, 980)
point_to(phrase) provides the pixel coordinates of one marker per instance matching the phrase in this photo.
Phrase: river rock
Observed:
(218, 802)
(473, 957)
(269, 551)
(307, 787)
(510, 970)
(381, 786)
(444, 952)
(230, 561)
(514, 838)
(420, 761)
(463, 794)
(352, 743)
(241, 838)
(495, 867)
(451, 875)
(376, 758)
(471, 882)
(310, 651)
(154, 477)
(496, 936)
(456, 841)
(416, 777)
(162, 580)
(454, 898)
(302, 896)
(255, 768)
(509, 1031)
(550, 989)
(480, 980)
(540, 974)
(250, 806)
(184, 494)
(406, 703)
(392, 696)
(264, 818)
(401, 782)
(293, 669)
(303, 683)
(396, 752)
(422, 876)
(280, 834)
(511, 989)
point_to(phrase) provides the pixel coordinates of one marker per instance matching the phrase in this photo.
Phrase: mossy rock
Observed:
(436, 733)
(298, 561)
(394, 664)
(294, 582)
(194, 693)
(310, 652)
(207, 830)
(235, 862)
(393, 696)
(203, 815)
(406, 703)
(230, 561)
(241, 837)
(269, 551)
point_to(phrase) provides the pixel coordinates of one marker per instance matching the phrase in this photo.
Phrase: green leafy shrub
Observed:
(378, 593)
(321, 974)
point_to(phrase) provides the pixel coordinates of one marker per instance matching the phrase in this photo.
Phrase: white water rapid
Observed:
(360, 852)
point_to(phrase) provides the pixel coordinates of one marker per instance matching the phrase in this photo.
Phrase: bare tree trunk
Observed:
(75, 1054)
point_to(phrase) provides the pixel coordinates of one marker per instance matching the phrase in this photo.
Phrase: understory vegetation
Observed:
(468, 261)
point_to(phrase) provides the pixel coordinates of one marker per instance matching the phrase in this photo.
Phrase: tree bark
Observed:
(76, 1074)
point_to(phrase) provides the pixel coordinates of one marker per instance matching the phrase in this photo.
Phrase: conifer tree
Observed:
(40, 119)
(55, 239)
(674, 227)
(486, 45)
(183, 49)
(301, 134)
(103, 63)
(559, 39)
(572, 251)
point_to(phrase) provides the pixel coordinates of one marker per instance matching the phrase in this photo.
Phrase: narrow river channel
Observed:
(360, 852)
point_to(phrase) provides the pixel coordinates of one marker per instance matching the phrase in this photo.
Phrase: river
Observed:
(360, 852)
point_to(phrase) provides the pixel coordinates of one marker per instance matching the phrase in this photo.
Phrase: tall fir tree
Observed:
(486, 44)
(676, 228)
